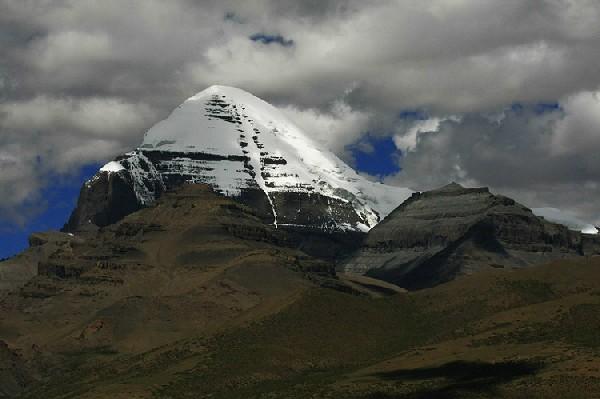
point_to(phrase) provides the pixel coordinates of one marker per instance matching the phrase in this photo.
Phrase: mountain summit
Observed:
(244, 148)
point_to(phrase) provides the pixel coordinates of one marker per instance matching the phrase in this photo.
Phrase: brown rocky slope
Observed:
(193, 263)
(196, 297)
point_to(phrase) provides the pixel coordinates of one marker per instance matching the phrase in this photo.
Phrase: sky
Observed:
(504, 94)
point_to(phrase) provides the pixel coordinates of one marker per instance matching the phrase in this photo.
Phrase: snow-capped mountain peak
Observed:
(241, 146)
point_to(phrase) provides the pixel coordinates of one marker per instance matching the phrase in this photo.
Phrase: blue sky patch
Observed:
(377, 156)
(270, 39)
(542, 108)
(416, 115)
(61, 196)
(538, 108)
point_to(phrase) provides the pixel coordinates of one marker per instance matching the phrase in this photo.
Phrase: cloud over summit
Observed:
(84, 74)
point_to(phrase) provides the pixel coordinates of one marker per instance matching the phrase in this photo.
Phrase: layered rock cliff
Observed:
(438, 235)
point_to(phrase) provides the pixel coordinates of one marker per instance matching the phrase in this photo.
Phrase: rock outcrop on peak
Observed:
(435, 236)
(104, 200)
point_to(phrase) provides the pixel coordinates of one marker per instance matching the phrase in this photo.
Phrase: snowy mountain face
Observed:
(244, 148)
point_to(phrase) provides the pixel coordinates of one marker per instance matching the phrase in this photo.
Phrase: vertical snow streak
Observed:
(141, 174)
(254, 156)
(255, 161)
(272, 206)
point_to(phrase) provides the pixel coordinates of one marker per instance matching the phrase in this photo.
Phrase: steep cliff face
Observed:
(104, 200)
(438, 235)
(243, 148)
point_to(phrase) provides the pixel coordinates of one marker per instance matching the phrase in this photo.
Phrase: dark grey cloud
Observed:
(547, 159)
(81, 74)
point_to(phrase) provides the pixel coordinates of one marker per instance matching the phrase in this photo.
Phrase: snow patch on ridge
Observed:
(142, 170)
(112, 167)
